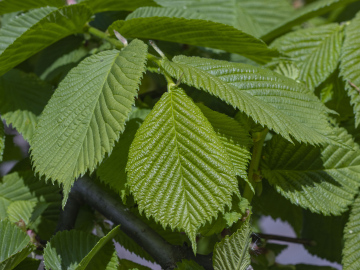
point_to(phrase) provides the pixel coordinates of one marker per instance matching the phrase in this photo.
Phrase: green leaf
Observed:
(7, 6)
(114, 5)
(322, 179)
(130, 265)
(28, 264)
(87, 113)
(351, 250)
(350, 63)
(232, 253)
(2, 138)
(79, 250)
(316, 51)
(194, 32)
(22, 99)
(251, 16)
(27, 211)
(38, 29)
(14, 245)
(275, 101)
(178, 170)
(309, 11)
(188, 265)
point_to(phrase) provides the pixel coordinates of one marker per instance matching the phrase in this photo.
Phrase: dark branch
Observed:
(69, 214)
(285, 239)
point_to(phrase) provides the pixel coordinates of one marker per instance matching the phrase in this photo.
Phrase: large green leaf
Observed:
(79, 250)
(87, 113)
(271, 99)
(350, 64)
(178, 170)
(2, 140)
(22, 98)
(322, 179)
(38, 29)
(27, 211)
(113, 5)
(15, 245)
(7, 6)
(194, 32)
(251, 16)
(351, 250)
(312, 10)
(316, 51)
(232, 253)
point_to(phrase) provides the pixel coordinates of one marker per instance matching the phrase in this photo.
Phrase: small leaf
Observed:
(7, 6)
(96, 98)
(232, 253)
(323, 180)
(114, 5)
(38, 29)
(130, 265)
(178, 170)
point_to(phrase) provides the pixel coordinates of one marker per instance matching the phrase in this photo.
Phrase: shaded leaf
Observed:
(188, 265)
(113, 5)
(2, 140)
(96, 98)
(130, 265)
(25, 211)
(28, 264)
(7, 6)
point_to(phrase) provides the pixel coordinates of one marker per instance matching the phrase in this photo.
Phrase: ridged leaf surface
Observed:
(232, 253)
(112, 5)
(87, 113)
(27, 211)
(350, 64)
(38, 29)
(178, 170)
(273, 100)
(322, 179)
(7, 6)
(195, 32)
(351, 250)
(22, 98)
(316, 51)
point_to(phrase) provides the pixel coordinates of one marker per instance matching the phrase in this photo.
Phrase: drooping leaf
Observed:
(194, 32)
(316, 51)
(275, 101)
(96, 98)
(167, 161)
(28, 264)
(113, 5)
(38, 29)
(188, 265)
(309, 11)
(22, 98)
(2, 139)
(7, 6)
(79, 250)
(251, 16)
(232, 253)
(350, 63)
(15, 245)
(322, 179)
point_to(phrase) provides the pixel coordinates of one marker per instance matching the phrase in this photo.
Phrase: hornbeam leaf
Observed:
(87, 113)
(38, 29)
(178, 170)
(316, 51)
(7, 6)
(309, 11)
(15, 245)
(22, 98)
(271, 99)
(351, 251)
(195, 32)
(113, 5)
(323, 180)
(232, 253)
(350, 64)
(2, 141)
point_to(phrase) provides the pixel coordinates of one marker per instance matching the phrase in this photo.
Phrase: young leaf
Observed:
(178, 169)
(275, 101)
(114, 5)
(232, 253)
(312, 10)
(96, 98)
(7, 6)
(351, 250)
(195, 32)
(38, 29)
(323, 180)
(79, 250)
(2, 138)
(15, 245)
(316, 51)
(350, 63)
(22, 98)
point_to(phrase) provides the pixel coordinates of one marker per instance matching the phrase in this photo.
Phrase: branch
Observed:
(164, 253)
(285, 239)
(68, 216)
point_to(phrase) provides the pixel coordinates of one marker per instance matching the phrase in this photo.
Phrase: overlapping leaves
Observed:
(322, 179)
(178, 169)
(87, 113)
